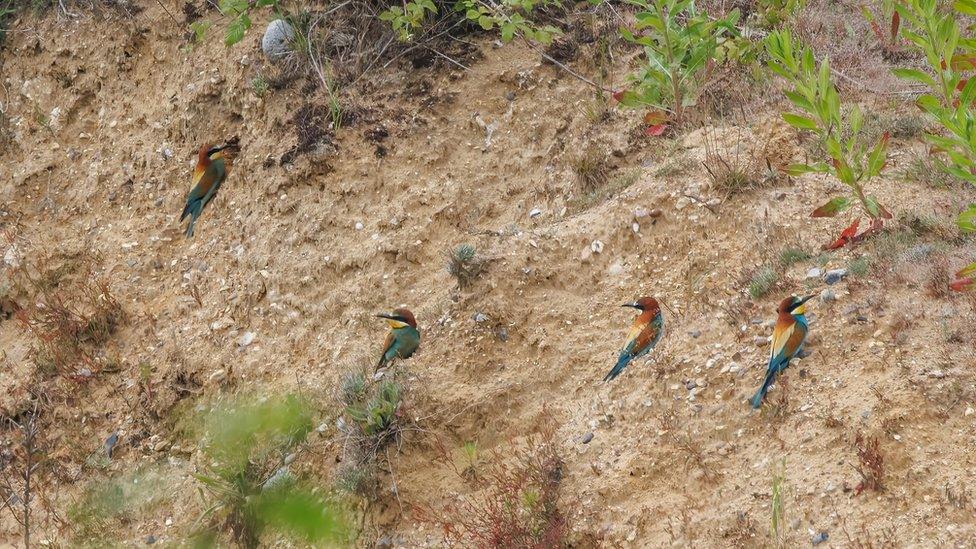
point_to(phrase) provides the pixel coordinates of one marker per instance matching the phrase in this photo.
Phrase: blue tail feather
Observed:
(622, 363)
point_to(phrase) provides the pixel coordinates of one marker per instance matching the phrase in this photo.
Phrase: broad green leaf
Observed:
(236, 29)
(833, 207)
(801, 122)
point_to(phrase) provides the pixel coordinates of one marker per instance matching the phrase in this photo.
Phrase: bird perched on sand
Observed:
(403, 339)
(788, 336)
(213, 164)
(644, 334)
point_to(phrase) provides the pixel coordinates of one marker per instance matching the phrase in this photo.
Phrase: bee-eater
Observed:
(644, 334)
(788, 336)
(213, 163)
(403, 339)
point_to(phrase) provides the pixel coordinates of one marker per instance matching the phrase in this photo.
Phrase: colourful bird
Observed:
(644, 334)
(788, 336)
(213, 164)
(403, 339)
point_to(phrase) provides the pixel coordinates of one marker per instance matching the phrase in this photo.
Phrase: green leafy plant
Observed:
(773, 13)
(679, 45)
(377, 416)
(239, 11)
(247, 483)
(951, 58)
(510, 17)
(464, 264)
(849, 159)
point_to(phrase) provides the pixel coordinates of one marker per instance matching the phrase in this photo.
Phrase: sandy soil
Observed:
(303, 255)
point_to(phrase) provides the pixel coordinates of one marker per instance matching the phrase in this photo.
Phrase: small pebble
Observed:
(814, 273)
(535, 212)
(587, 437)
(827, 296)
(819, 538)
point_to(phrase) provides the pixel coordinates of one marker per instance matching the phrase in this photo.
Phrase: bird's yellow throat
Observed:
(396, 324)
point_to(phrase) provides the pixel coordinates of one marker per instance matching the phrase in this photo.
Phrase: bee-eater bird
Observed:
(213, 163)
(644, 334)
(788, 336)
(403, 339)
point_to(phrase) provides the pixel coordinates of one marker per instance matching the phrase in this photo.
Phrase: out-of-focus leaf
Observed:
(833, 207)
(656, 130)
(967, 219)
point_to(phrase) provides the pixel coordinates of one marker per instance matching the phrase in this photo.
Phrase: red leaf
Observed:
(618, 95)
(884, 212)
(846, 236)
(656, 130)
(851, 229)
(877, 31)
(895, 21)
(960, 284)
(961, 84)
(942, 64)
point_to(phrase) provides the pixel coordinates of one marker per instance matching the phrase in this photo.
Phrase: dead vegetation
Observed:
(516, 501)
(69, 314)
(738, 167)
(870, 463)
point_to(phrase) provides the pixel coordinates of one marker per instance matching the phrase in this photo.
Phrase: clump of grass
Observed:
(738, 169)
(871, 463)
(260, 85)
(464, 264)
(939, 277)
(615, 185)
(859, 267)
(926, 169)
(592, 169)
(790, 256)
(763, 280)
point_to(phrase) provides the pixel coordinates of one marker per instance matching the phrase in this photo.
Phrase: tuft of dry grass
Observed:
(871, 463)
(739, 168)
(592, 169)
(517, 501)
(938, 277)
(68, 318)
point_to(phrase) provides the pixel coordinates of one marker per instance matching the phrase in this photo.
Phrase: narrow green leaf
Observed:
(967, 219)
(833, 207)
(801, 122)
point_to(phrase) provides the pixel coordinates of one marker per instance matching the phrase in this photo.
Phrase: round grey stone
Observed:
(277, 39)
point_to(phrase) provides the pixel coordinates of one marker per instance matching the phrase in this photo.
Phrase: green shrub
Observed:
(510, 17)
(848, 158)
(937, 32)
(678, 45)
(246, 479)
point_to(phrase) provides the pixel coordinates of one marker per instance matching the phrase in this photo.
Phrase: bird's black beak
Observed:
(214, 150)
(802, 300)
(633, 305)
(386, 316)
